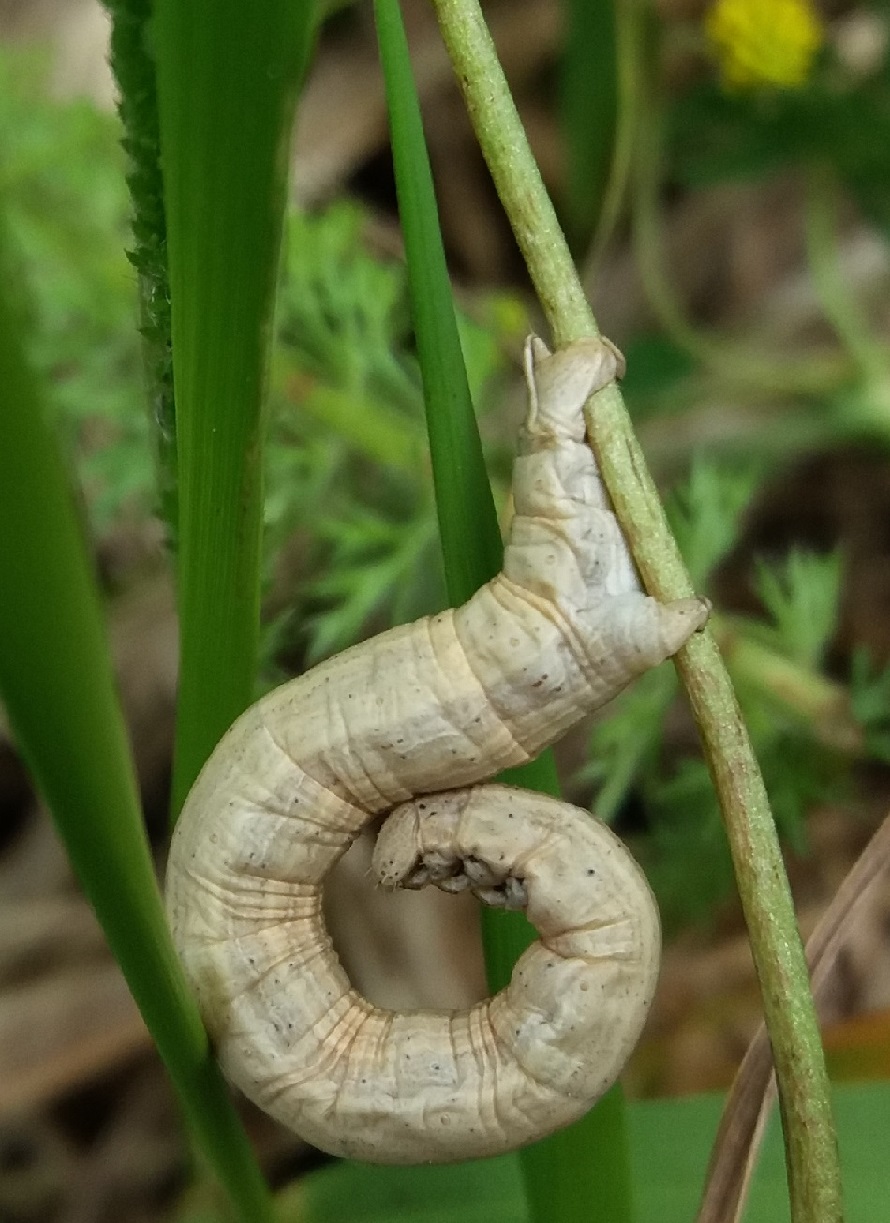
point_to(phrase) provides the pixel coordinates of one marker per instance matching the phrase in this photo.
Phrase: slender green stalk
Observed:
(811, 1146)
(59, 691)
(589, 111)
(626, 36)
(228, 75)
(583, 1174)
(468, 523)
(573, 1176)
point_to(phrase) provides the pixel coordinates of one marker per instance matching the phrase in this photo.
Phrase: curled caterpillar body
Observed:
(409, 723)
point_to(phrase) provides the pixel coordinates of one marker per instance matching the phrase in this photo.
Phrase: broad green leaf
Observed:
(228, 75)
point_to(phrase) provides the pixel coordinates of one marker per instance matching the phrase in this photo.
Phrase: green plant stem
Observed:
(468, 523)
(589, 112)
(627, 33)
(505, 146)
(810, 1140)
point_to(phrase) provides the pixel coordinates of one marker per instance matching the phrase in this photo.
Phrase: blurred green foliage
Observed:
(838, 117)
(62, 176)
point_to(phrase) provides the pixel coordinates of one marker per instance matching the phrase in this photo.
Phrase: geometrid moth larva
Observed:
(409, 722)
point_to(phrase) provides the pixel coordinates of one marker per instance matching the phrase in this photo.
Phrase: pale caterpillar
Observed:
(411, 720)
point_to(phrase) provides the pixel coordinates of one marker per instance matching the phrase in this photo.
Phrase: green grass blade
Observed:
(57, 684)
(587, 1165)
(583, 1174)
(468, 524)
(228, 75)
(589, 103)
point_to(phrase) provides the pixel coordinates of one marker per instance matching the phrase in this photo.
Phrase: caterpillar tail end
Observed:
(680, 619)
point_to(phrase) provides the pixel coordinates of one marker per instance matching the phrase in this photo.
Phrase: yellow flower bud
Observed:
(764, 42)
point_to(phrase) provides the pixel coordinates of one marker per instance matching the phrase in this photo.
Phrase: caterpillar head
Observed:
(560, 383)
